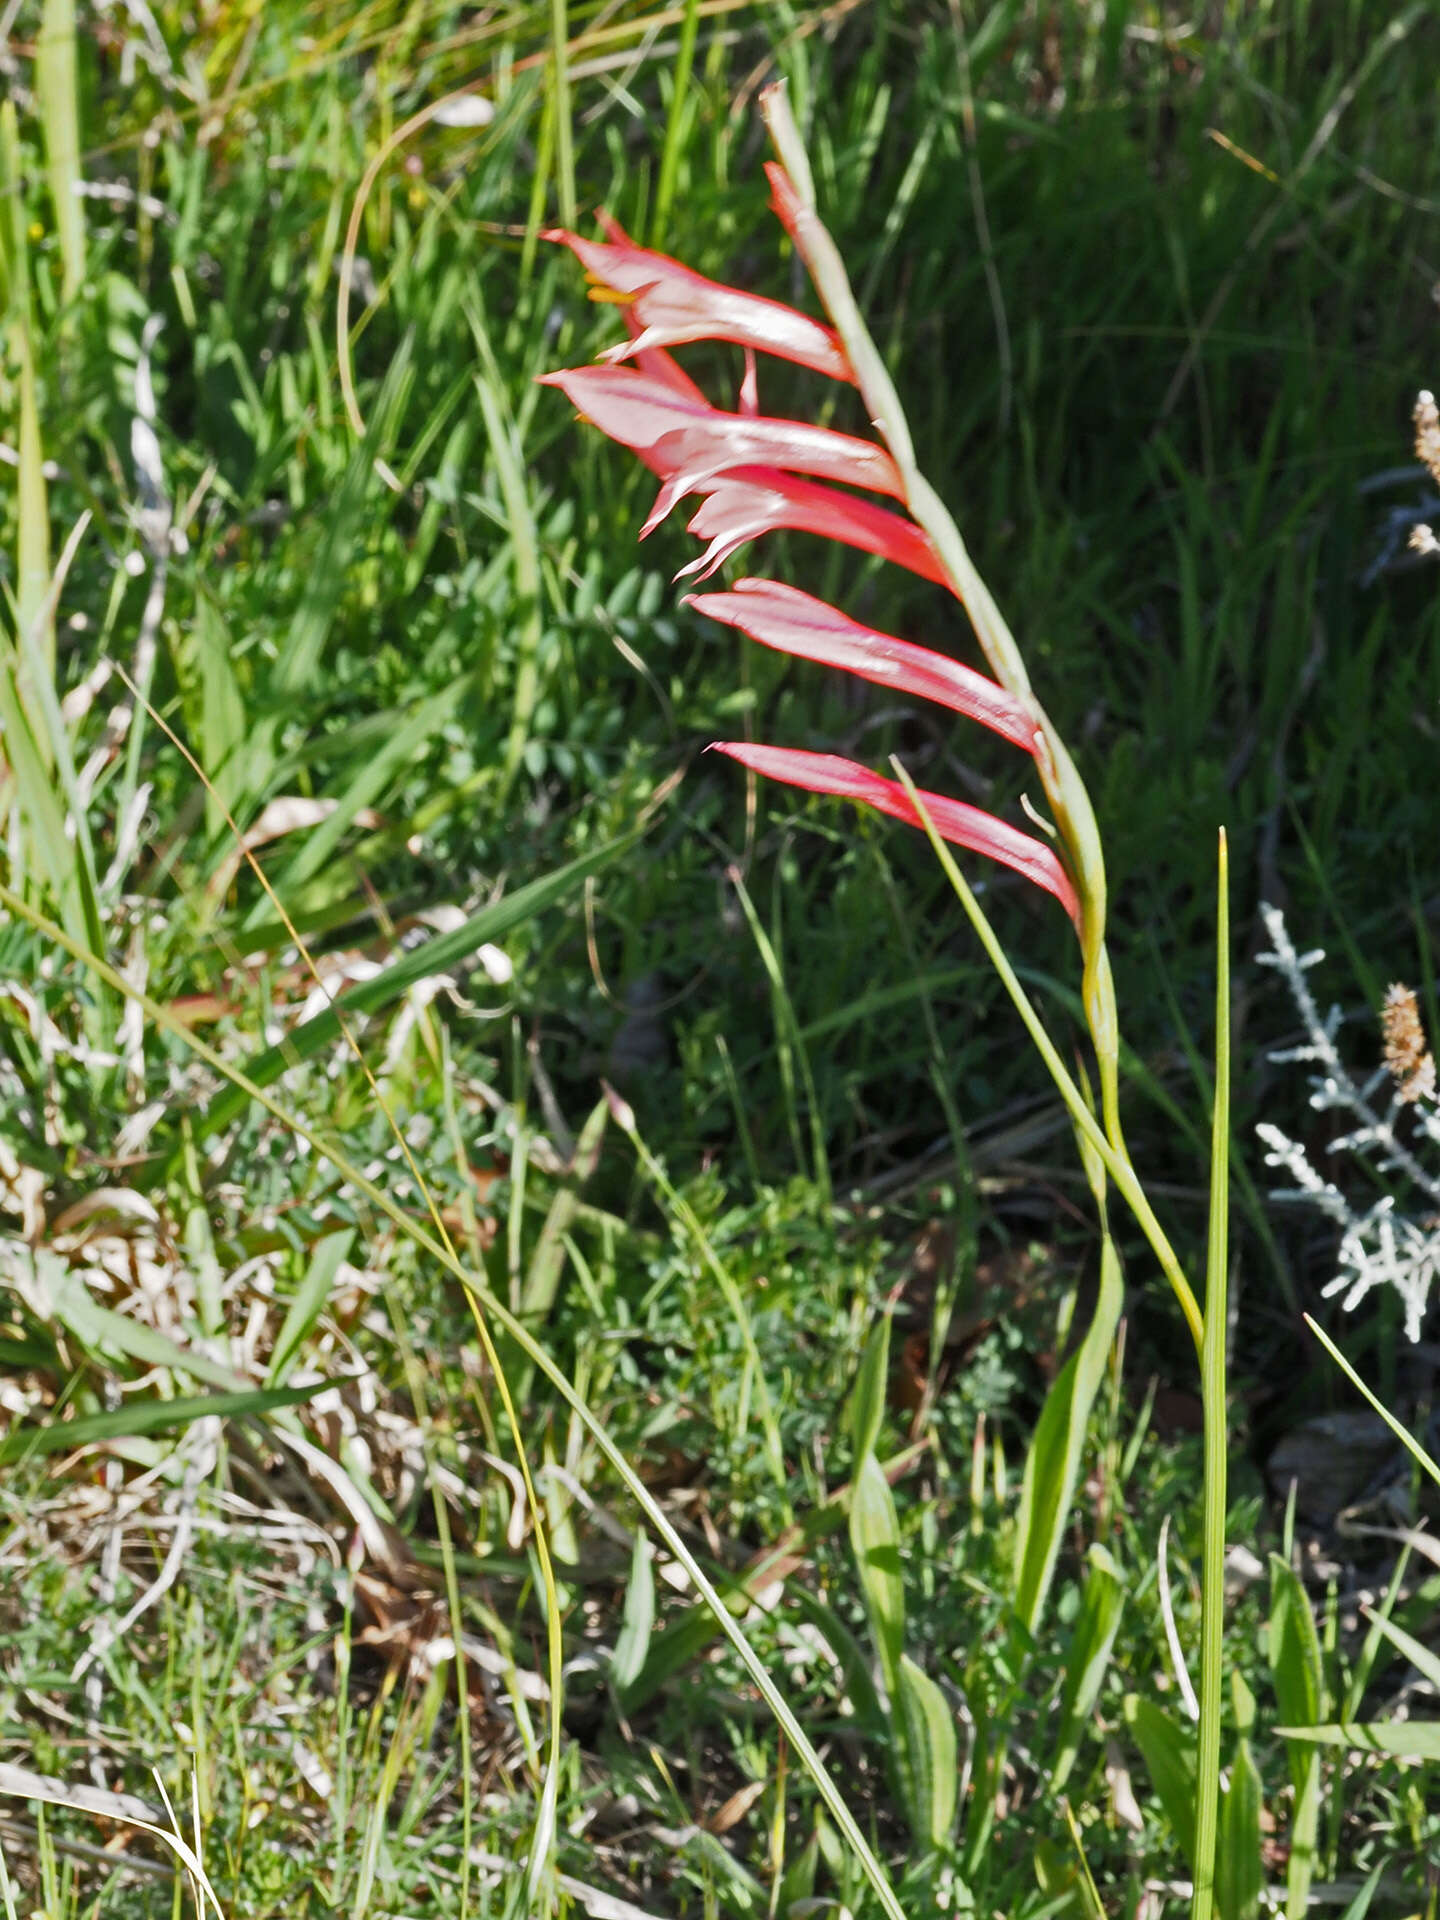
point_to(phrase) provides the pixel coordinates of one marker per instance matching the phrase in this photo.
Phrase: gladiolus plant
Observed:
(755, 475)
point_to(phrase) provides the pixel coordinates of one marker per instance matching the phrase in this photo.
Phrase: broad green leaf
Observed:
(1299, 1675)
(924, 1724)
(867, 1397)
(1239, 1862)
(637, 1620)
(1052, 1465)
(1088, 1655)
(1169, 1758)
(1294, 1648)
(1405, 1739)
(875, 1540)
(798, 1883)
(309, 1302)
(150, 1416)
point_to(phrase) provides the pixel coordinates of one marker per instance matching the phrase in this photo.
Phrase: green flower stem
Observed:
(1217, 1435)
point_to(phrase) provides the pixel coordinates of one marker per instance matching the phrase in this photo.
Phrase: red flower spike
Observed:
(797, 623)
(676, 306)
(697, 442)
(755, 500)
(962, 825)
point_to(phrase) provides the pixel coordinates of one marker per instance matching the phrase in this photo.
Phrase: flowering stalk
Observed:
(756, 474)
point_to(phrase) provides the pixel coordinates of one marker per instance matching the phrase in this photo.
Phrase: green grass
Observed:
(1149, 377)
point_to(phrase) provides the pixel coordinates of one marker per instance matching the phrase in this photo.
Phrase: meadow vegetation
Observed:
(336, 670)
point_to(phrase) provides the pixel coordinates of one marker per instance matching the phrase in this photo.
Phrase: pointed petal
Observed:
(756, 500)
(962, 825)
(793, 622)
(662, 366)
(698, 442)
(676, 306)
(632, 407)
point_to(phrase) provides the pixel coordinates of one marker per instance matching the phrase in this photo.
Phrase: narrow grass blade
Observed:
(1404, 1739)
(564, 132)
(676, 123)
(1401, 1433)
(1425, 1660)
(308, 1303)
(791, 1046)
(680, 1642)
(1216, 1423)
(547, 1262)
(358, 504)
(372, 777)
(1116, 1165)
(509, 460)
(149, 1416)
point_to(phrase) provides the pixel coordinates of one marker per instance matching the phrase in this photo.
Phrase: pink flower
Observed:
(756, 500)
(675, 306)
(693, 442)
(749, 467)
(953, 820)
(797, 623)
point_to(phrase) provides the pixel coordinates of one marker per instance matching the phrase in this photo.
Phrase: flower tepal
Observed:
(675, 306)
(953, 820)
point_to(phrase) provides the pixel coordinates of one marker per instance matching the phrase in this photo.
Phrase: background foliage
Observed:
(1158, 292)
